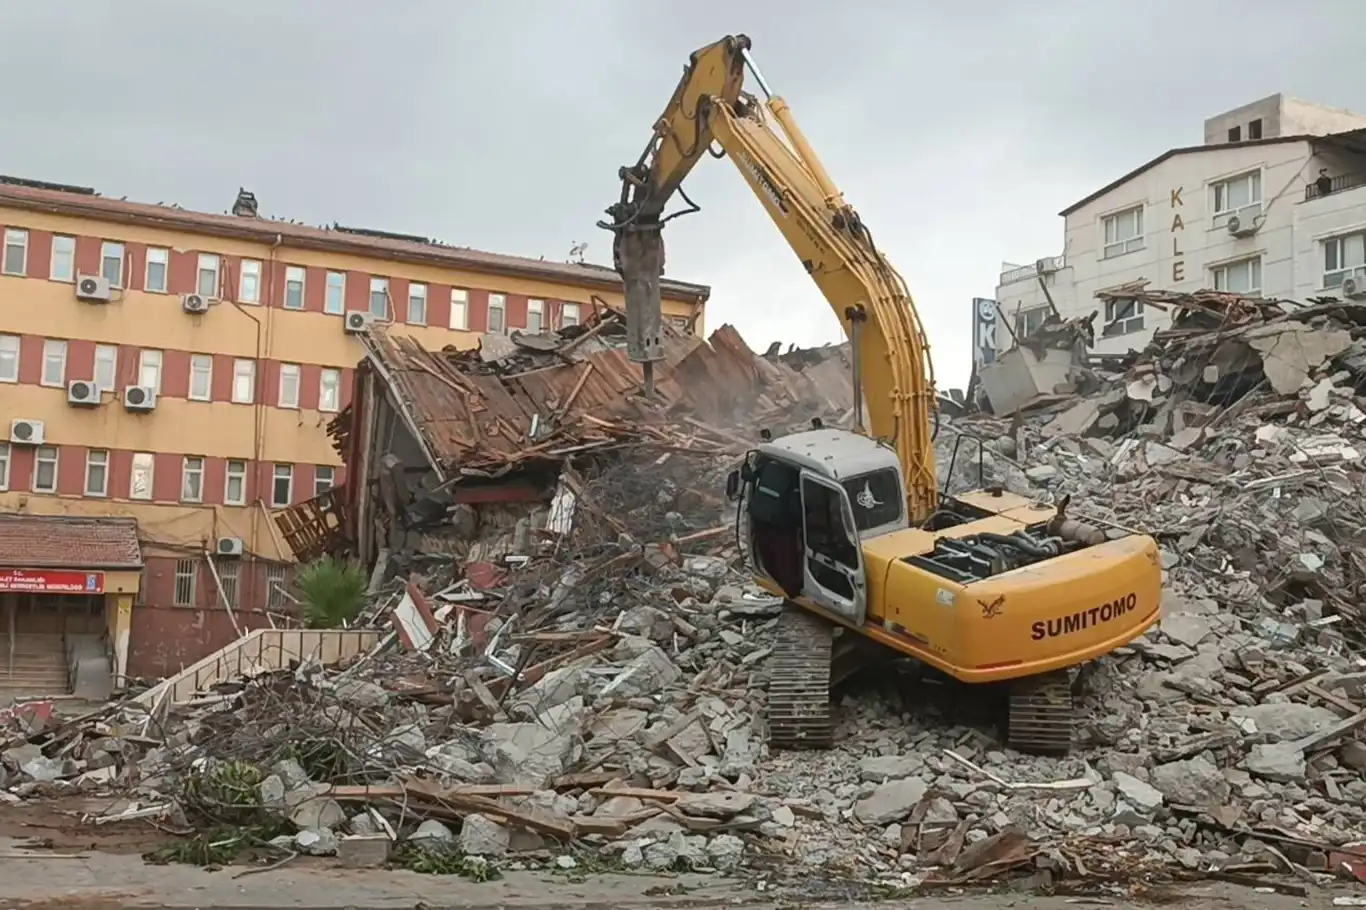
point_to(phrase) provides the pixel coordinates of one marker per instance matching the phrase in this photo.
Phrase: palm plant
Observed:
(332, 591)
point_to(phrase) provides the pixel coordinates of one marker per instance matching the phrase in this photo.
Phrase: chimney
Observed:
(245, 206)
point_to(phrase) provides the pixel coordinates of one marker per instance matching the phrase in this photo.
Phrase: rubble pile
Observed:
(593, 689)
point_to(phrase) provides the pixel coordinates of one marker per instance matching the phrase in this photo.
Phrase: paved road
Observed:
(95, 881)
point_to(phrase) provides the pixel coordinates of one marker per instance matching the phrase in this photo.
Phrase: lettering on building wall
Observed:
(1178, 263)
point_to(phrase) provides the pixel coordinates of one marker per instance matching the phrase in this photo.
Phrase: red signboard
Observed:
(51, 581)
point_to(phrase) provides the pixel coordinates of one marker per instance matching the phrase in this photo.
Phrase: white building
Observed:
(1242, 212)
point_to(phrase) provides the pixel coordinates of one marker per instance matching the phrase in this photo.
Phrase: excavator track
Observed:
(1041, 714)
(799, 682)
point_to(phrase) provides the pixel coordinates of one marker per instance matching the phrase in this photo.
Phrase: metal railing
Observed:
(1336, 185)
(1044, 266)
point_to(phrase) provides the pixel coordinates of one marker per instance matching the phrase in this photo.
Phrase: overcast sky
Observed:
(959, 130)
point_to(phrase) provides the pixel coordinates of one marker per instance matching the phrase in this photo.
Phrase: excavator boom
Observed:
(710, 108)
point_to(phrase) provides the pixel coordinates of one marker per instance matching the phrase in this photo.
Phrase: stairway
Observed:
(39, 665)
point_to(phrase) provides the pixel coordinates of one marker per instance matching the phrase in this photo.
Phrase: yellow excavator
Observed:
(850, 528)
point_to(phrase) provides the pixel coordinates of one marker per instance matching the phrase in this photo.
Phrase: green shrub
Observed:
(332, 592)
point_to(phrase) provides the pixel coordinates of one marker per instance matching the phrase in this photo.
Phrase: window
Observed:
(417, 304)
(1122, 316)
(379, 298)
(158, 268)
(149, 369)
(1124, 232)
(1254, 129)
(294, 288)
(106, 366)
(334, 300)
(16, 252)
(63, 258)
(570, 314)
(282, 486)
(498, 308)
(227, 580)
(9, 358)
(186, 574)
(97, 472)
(207, 283)
(192, 479)
(4, 466)
(45, 470)
(244, 381)
(141, 477)
(1235, 134)
(329, 390)
(535, 315)
(324, 479)
(289, 385)
(111, 262)
(275, 586)
(249, 284)
(1242, 277)
(201, 377)
(54, 362)
(1027, 322)
(460, 309)
(1343, 257)
(1232, 194)
(235, 484)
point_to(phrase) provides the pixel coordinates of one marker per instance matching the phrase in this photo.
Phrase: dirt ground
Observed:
(51, 858)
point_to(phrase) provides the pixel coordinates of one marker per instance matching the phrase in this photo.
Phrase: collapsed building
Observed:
(563, 653)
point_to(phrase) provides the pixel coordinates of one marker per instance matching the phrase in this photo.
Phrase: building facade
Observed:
(180, 369)
(1279, 215)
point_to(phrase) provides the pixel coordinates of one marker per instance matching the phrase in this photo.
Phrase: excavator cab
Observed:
(807, 502)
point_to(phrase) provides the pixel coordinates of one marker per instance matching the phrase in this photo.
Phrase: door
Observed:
(833, 560)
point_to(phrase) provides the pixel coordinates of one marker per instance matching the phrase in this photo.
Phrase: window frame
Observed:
(1116, 325)
(112, 362)
(1025, 316)
(49, 346)
(249, 272)
(295, 372)
(1220, 188)
(1332, 278)
(294, 275)
(14, 238)
(379, 288)
(39, 461)
(1122, 246)
(214, 267)
(6, 462)
(153, 359)
(565, 309)
(335, 307)
(229, 475)
(186, 571)
(238, 376)
(52, 273)
(17, 352)
(192, 466)
(498, 303)
(331, 478)
(460, 303)
(275, 478)
(97, 459)
(413, 294)
(114, 251)
(1219, 275)
(535, 307)
(157, 255)
(197, 361)
(151, 462)
(323, 404)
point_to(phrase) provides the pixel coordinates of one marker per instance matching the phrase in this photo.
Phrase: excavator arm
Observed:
(891, 354)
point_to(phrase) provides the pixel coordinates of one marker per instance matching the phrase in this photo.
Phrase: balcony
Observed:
(1048, 265)
(1338, 184)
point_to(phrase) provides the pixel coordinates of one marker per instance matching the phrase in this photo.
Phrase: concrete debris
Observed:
(600, 686)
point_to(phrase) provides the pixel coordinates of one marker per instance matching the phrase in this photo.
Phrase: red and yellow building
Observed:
(179, 369)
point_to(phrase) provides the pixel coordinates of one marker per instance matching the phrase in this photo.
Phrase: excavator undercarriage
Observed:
(811, 657)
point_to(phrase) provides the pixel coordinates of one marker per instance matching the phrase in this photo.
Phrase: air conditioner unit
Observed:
(194, 303)
(230, 546)
(1354, 288)
(139, 398)
(1048, 265)
(25, 432)
(82, 392)
(357, 322)
(94, 288)
(1246, 221)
